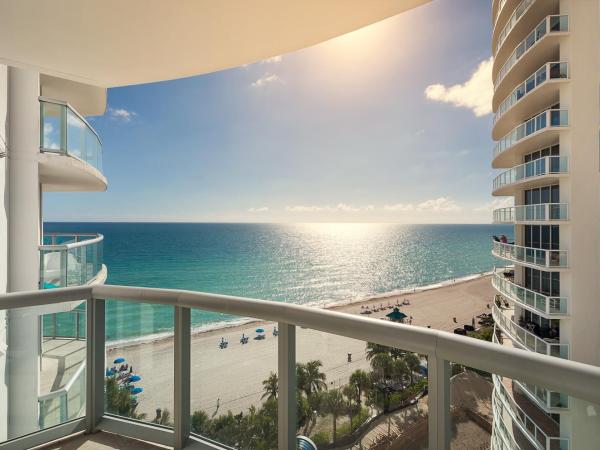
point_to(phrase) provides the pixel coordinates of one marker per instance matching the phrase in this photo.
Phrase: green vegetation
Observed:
(392, 382)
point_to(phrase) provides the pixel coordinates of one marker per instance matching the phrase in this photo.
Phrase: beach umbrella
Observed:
(137, 390)
(119, 360)
(135, 378)
(260, 330)
(396, 315)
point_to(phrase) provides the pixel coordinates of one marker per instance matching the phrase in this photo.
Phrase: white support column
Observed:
(182, 372)
(96, 363)
(23, 254)
(438, 386)
(286, 398)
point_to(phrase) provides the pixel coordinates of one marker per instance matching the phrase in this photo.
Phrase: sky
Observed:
(390, 123)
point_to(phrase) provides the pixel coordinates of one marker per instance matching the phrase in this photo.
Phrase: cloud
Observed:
(463, 153)
(496, 204)
(400, 207)
(121, 114)
(273, 59)
(475, 93)
(259, 209)
(441, 204)
(266, 79)
(340, 207)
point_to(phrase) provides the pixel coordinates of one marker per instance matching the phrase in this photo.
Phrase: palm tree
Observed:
(362, 381)
(200, 422)
(350, 391)
(270, 386)
(414, 363)
(335, 405)
(375, 349)
(382, 365)
(399, 370)
(314, 380)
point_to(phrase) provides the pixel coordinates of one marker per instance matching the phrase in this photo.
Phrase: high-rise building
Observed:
(546, 76)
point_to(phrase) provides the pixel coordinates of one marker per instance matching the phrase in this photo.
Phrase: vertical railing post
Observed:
(64, 282)
(95, 334)
(181, 400)
(286, 399)
(438, 386)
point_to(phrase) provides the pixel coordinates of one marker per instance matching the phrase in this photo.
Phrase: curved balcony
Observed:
(525, 423)
(540, 45)
(539, 89)
(70, 150)
(532, 214)
(548, 306)
(501, 12)
(525, 338)
(549, 401)
(531, 174)
(523, 19)
(539, 131)
(538, 258)
(71, 260)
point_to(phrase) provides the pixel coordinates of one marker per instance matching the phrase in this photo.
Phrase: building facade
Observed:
(546, 104)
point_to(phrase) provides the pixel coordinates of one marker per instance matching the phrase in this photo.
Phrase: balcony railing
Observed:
(549, 71)
(547, 259)
(540, 212)
(64, 130)
(548, 165)
(526, 338)
(521, 9)
(64, 404)
(549, 401)
(525, 423)
(501, 4)
(440, 347)
(547, 305)
(551, 118)
(550, 24)
(69, 259)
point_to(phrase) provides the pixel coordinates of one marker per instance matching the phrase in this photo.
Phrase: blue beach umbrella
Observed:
(137, 390)
(260, 330)
(119, 360)
(135, 378)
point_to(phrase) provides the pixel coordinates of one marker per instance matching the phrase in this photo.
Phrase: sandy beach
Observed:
(231, 379)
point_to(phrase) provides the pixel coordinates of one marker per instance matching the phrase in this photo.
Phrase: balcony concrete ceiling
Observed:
(115, 43)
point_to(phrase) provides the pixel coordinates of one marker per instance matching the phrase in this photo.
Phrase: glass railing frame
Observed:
(62, 395)
(441, 348)
(539, 212)
(95, 242)
(542, 29)
(526, 339)
(547, 165)
(527, 86)
(64, 141)
(543, 397)
(539, 257)
(543, 121)
(518, 12)
(522, 419)
(530, 299)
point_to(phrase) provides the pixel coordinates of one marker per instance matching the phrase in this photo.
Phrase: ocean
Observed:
(313, 264)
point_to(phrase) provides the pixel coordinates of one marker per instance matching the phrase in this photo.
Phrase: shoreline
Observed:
(230, 379)
(333, 305)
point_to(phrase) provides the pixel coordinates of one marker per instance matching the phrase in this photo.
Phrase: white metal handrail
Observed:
(61, 396)
(94, 238)
(549, 401)
(575, 378)
(540, 303)
(527, 339)
(549, 119)
(533, 256)
(549, 71)
(549, 24)
(539, 212)
(67, 387)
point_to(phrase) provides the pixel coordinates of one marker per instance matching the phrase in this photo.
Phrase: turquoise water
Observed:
(298, 263)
